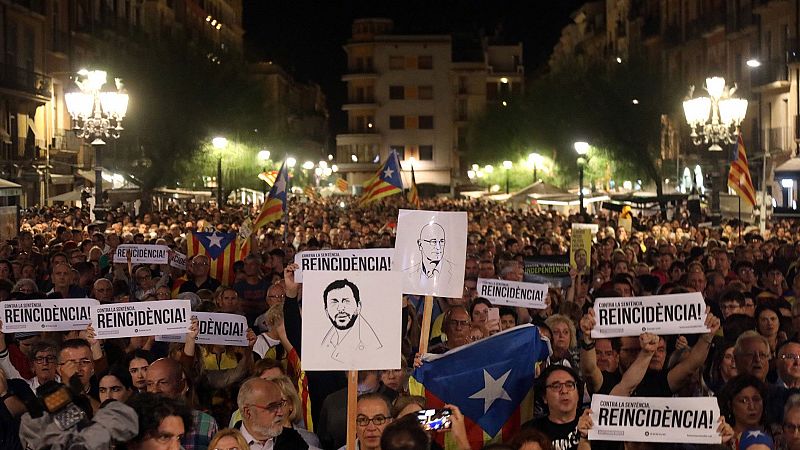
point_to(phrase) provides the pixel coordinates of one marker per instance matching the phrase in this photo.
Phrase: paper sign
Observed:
(367, 260)
(512, 293)
(352, 320)
(580, 247)
(215, 328)
(64, 314)
(141, 318)
(430, 250)
(658, 314)
(550, 270)
(655, 419)
(142, 254)
(178, 260)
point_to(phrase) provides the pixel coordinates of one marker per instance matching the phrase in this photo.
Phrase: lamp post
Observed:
(534, 159)
(715, 119)
(219, 143)
(507, 165)
(581, 148)
(263, 157)
(290, 163)
(96, 115)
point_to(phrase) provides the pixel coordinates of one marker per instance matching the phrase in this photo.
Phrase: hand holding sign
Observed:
(585, 423)
(725, 430)
(587, 325)
(712, 323)
(648, 343)
(251, 338)
(194, 330)
(292, 287)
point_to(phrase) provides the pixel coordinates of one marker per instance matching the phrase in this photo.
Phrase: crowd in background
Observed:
(217, 397)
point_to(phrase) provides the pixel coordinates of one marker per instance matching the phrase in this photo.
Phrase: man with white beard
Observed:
(263, 409)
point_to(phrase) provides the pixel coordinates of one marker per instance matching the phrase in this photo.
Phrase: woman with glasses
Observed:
(741, 401)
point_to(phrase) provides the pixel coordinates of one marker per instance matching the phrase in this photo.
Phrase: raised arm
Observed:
(679, 375)
(636, 372)
(292, 319)
(588, 356)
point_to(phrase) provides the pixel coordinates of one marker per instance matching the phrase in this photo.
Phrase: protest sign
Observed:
(655, 419)
(215, 328)
(178, 260)
(351, 320)
(512, 293)
(142, 254)
(430, 250)
(141, 318)
(64, 314)
(366, 260)
(550, 270)
(659, 314)
(580, 247)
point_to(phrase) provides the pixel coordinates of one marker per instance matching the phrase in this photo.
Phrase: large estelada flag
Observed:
(275, 204)
(739, 177)
(413, 193)
(222, 248)
(491, 382)
(385, 182)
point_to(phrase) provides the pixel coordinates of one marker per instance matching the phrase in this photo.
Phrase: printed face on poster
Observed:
(430, 251)
(351, 320)
(580, 247)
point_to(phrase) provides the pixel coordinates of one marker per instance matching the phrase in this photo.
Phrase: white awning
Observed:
(71, 196)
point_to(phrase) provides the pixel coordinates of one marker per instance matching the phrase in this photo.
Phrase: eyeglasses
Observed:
(229, 448)
(277, 296)
(44, 359)
(79, 362)
(434, 242)
(791, 356)
(791, 428)
(459, 323)
(756, 355)
(568, 386)
(748, 401)
(272, 407)
(378, 420)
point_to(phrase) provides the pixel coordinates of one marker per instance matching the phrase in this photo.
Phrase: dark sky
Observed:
(306, 36)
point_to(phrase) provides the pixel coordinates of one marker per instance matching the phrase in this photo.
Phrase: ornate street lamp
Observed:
(715, 119)
(96, 115)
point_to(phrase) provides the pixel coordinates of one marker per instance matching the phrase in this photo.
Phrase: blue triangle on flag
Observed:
(215, 242)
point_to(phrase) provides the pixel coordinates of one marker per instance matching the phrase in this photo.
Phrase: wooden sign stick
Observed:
(352, 400)
(427, 310)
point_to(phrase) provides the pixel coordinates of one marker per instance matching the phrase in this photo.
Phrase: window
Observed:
(426, 153)
(396, 93)
(491, 91)
(425, 122)
(425, 62)
(462, 109)
(397, 62)
(425, 92)
(397, 122)
(400, 149)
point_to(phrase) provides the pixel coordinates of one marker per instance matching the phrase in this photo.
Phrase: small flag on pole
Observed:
(739, 177)
(413, 193)
(275, 204)
(342, 184)
(385, 182)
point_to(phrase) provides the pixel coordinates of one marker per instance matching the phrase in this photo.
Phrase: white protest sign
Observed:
(512, 293)
(658, 314)
(366, 260)
(178, 260)
(655, 419)
(142, 254)
(215, 328)
(141, 318)
(430, 250)
(352, 320)
(64, 314)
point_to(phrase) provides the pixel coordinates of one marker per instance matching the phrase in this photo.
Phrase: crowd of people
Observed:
(146, 394)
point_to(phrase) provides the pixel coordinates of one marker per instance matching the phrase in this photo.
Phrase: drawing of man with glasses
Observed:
(433, 268)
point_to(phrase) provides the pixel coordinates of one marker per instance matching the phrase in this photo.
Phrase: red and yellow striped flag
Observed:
(299, 375)
(739, 177)
(384, 183)
(342, 184)
(275, 204)
(413, 193)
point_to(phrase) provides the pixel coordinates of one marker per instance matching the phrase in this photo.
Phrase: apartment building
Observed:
(415, 95)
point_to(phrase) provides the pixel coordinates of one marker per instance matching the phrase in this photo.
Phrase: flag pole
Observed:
(427, 310)
(352, 400)
(740, 216)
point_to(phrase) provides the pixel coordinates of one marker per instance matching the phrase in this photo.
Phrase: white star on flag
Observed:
(388, 172)
(492, 390)
(754, 433)
(215, 240)
(280, 185)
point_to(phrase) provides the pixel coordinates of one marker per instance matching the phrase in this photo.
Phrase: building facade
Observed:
(415, 95)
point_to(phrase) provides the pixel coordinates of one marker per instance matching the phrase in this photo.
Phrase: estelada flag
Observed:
(413, 193)
(309, 191)
(342, 184)
(739, 177)
(491, 382)
(223, 249)
(385, 182)
(275, 204)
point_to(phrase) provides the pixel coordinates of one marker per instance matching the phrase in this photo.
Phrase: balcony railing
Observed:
(770, 72)
(777, 139)
(19, 79)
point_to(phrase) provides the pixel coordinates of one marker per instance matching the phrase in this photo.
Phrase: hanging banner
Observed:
(512, 293)
(142, 254)
(178, 260)
(658, 314)
(63, 314)
(215, 328)
(550, 270)
(141, 318)
(655, 419)
(366, 260)
(580, 247)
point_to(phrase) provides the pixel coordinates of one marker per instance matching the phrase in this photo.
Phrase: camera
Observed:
(435, 419)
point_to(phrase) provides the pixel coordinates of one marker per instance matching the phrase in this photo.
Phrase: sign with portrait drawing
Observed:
(351, 320)
(430, 251)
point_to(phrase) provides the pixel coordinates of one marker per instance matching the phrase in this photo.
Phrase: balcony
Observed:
(60, 41)
(29, 82)
(771, 74)
(777, 139)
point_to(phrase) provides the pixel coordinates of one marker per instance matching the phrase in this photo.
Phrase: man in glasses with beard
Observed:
(263, 410)
(350, 331)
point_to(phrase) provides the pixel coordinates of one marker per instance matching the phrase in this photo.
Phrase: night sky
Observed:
(306, 36)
